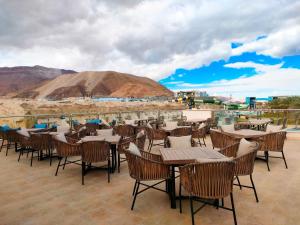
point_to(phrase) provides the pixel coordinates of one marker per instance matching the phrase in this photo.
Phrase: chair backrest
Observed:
(245, 163)
(95, 151)
(125, 130)
(91, 128)
(64, 149)
(273, 141)
(181, 131)
(284, 123)
(211, 180)
(199, 132)
(221, 140)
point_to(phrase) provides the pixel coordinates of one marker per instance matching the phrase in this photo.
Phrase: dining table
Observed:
(258, 124)
(175, 157)
(246, 133)
(170, 128)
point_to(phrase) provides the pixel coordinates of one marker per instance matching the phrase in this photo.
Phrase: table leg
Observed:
(114, 155)
(172, 188)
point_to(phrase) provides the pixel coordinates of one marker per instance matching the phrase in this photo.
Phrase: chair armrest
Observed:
(230, 151)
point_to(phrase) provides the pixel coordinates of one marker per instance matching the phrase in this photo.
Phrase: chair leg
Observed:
(199, 141)
(50, 155)
(222, 202)
(135, 183)
(58, 165)
(21, 152)
(65, 163)
(238, 180)
(204, 142)
(82, 172)
(119, 162)
(284, 160)
(233, 209)
(135, 194)
(108, 171)
(1, 145)
(180, 201)
(6, 150)
(192, 210)
(267, 159)
(253, 188)
(31, 157)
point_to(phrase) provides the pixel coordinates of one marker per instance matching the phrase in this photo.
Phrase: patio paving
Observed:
(34, 196)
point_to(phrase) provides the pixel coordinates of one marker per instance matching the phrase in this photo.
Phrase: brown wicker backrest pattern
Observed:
(273, 141)
(91, 128)
(124, 143)
(182, 131)
(221, 140)
(95, 151)
(208, 180)
(125, 130)
(245, 164)
(11, 135)
(66, 149)
(231, 150)
(142, 168)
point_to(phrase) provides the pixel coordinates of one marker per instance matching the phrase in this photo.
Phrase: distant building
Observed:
(185, 94)
(251, 101)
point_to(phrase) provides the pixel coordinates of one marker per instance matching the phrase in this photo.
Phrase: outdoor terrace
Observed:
(33, 195)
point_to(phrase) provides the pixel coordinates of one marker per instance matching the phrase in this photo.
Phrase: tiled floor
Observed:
(34, 196)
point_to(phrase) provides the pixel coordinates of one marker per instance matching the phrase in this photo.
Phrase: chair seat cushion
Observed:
(245, 147)
(63, 129)
(273, 128)
(24, 132)
(61, 137)
(105, 132)
(134, 149)
(227, 128)
(183, 142)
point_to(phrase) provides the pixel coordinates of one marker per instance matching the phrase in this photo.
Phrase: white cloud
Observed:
(271, 81)
(151, 38)
(257, 66)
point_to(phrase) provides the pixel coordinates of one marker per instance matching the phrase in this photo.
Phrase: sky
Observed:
(225, 47)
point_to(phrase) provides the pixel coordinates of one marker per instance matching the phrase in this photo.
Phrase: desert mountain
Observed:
(15, 79)
(98, 84)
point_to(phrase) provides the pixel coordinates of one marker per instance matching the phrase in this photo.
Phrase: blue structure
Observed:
(251, 101)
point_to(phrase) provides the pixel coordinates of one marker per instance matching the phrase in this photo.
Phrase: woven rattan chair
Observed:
(66, 150)
(91, 128)
(273, 142)
(93, 152)
(3, 137)
(221, 140)
(125, 130)
(11, 137)
(156, 135)
(208, 183)
(148, 167)
(122, 145)
(28, 145)
(181, 131)
(198, 134)
(244, 165)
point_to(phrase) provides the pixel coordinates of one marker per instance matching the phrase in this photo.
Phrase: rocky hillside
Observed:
(16, 79)
(97, 84)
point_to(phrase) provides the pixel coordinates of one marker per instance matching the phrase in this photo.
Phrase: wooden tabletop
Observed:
(112, 139)
(246, 133)
(176, 156)
(256, 122)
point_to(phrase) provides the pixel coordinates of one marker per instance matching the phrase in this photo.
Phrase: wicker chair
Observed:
(92, 152)
(11, 138)
(208, 181)
(28, 145)
(125, 130)
(122, 146)
(65, 150)
(148, 167)
(221, 140)
(181, 131)
(91, 128)
(156, 135)
(198, 134)
(46, 144)
(3, 137)
(273, 142)
(244, 165)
